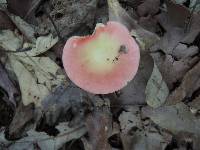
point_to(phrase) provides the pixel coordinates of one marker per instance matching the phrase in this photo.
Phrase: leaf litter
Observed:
(158, 109)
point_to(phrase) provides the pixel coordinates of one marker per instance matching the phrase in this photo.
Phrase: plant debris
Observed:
(41, 108)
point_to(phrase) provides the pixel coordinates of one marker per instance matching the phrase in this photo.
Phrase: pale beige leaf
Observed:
(37, 77)
(10, 40)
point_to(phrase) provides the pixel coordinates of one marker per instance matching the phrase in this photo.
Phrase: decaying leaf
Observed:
(130, 119)
(44, 141)
(174, 118)
(37, 77)
(169, 41)
(156, 89)
(59, 102)
(10, 41)
(26, 29)
(173, 70)
(190, 83)
(43, 43)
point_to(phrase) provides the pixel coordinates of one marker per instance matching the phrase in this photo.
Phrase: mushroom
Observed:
(103, 62)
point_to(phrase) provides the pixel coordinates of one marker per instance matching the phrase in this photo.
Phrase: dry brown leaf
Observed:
(173, 70)
(190, 83)
(134, 92)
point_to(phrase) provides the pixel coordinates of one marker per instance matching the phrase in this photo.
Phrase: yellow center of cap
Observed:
(101, 55)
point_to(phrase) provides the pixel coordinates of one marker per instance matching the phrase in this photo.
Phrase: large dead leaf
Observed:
(138, 135)
(44, 141)
(134, 92)
(27, 30)
(11, 41)
(169, 41)
(130, 119)
(59, 102)
(174, 118)
(37, 77)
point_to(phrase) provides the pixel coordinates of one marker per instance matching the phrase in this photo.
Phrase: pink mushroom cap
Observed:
(103, 62)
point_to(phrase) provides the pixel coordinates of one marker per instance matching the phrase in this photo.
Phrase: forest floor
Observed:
(40, 108)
